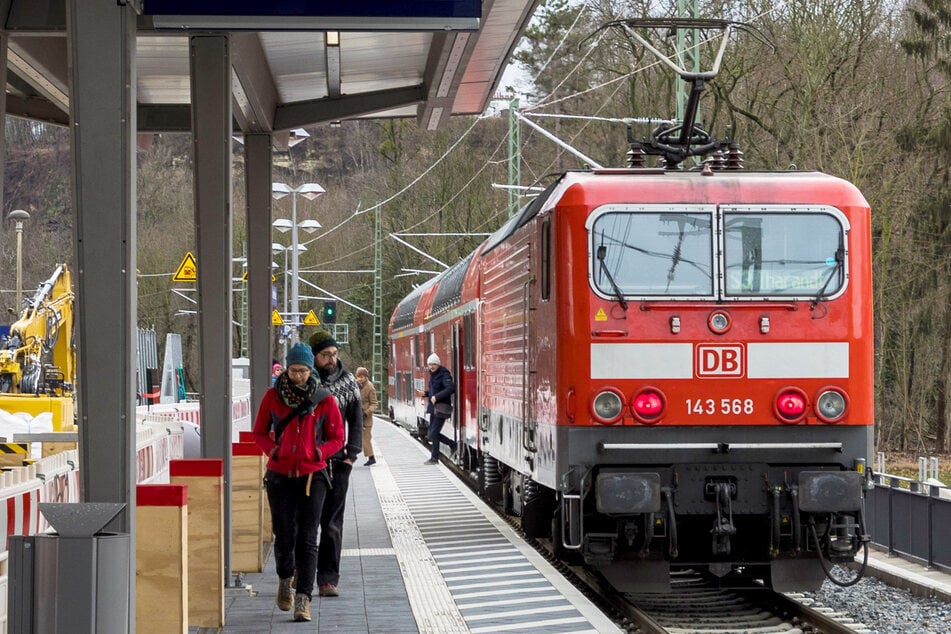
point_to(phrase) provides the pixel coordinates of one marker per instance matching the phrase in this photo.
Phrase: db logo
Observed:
(720, 361)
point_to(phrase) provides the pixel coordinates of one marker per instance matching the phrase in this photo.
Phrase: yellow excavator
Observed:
(38, 357)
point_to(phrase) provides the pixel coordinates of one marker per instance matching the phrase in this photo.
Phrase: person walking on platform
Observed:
(298, 427)
(344, 386)
(439, 405)
(370, 404)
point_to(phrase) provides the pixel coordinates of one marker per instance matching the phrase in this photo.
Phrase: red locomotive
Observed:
(664, 368)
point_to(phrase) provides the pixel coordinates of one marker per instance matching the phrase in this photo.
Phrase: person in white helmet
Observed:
(439, 405)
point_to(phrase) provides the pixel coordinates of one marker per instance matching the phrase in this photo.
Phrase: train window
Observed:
(644, 253)
(468, 351)
(779, 254)
(546, 260)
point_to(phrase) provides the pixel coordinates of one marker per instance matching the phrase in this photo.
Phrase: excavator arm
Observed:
(38, 356)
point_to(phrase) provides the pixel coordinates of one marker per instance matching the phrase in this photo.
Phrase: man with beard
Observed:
(342, 385)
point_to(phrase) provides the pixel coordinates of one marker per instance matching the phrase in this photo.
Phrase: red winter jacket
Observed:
(300, 451)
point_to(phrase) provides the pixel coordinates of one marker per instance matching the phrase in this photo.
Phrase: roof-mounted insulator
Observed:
(716, 161)
(734, 157)
(636, 157)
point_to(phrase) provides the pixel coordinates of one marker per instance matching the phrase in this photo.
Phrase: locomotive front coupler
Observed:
(723, 527)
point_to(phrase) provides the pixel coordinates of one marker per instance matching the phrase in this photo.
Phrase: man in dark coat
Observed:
(439, 405)
(344, 386)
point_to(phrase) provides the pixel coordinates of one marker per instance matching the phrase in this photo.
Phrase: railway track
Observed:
(694, 603)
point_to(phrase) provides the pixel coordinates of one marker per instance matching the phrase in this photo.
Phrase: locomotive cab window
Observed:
(646, 250)
(776, 253)
(762, 252)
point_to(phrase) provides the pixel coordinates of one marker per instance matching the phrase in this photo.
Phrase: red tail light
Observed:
(790, 405)
(648, 405)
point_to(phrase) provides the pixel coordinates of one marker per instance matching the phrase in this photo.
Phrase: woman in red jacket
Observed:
(298, 426)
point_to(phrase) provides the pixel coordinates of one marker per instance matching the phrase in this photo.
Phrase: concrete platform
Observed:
(422, 553)
(911, 575)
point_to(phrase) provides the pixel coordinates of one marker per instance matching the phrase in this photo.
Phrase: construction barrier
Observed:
(55, 478)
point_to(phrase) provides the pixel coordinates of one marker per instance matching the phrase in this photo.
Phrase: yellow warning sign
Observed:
(600, 315)
(188, 270)
(276, 319)
(311, 319)
(244, 278)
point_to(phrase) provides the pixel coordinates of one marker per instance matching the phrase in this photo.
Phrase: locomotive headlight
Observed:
(831, 405)
(647, 406)
(607, 406)
(719, 322)
(790, 405)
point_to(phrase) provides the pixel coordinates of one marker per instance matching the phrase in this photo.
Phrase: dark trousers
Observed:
(435, 436)
(331, 525)
(294, 516)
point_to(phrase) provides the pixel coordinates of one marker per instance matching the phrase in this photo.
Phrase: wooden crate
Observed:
(204, 478)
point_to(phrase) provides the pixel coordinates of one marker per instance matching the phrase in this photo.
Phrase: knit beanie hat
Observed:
(433, 358)
(300, 354)
(320, 340)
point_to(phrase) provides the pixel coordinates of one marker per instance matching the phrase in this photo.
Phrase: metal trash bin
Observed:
(74, 580)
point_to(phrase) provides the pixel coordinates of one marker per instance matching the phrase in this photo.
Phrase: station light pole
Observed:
(18, 216)
(277, 247)
(309, 191)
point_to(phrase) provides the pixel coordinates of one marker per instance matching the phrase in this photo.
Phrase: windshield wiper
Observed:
(839, 266)
(602, 251)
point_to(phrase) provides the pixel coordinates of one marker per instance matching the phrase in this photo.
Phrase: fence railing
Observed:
(909, 516)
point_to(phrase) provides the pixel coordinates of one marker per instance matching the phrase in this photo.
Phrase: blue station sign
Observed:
(315, 14)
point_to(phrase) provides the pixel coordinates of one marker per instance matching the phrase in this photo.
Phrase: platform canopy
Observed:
(295, 62)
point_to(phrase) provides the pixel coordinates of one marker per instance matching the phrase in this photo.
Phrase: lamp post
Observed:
(277, 247)
(18, 216)
(309, 191)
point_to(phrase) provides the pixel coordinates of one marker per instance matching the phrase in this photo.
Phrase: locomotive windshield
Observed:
(649, 253)
(783, 254)
(732, 252)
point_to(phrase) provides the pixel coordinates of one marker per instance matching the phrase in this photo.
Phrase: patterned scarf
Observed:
(294, 395)
(342, 385)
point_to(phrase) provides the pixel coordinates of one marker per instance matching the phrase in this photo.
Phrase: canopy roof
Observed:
(289, 71)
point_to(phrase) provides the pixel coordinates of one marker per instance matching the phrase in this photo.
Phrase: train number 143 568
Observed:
(707, 406)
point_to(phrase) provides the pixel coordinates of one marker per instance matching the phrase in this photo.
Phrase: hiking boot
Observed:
(328, 590)
(370, 461)
(302, 607)
(285, 594)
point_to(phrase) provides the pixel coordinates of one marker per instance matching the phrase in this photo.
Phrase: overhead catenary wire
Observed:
(529, 110)
(408, 186)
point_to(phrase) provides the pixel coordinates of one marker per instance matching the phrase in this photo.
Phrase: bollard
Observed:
(204, 478)
(247, 507)
(161, 558)
(267, 534)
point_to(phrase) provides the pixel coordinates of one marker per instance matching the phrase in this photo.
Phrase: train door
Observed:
(456, 368)
(529, 385)
(418, 383)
